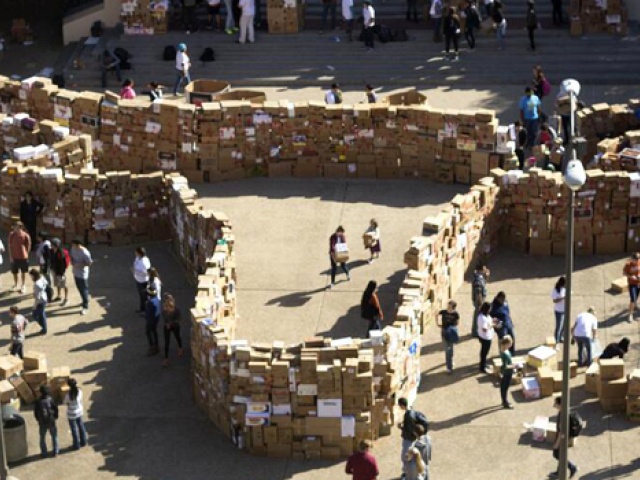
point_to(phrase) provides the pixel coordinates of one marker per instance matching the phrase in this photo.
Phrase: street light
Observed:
(574, 178)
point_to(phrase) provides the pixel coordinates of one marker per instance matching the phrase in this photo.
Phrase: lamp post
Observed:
(574, 178)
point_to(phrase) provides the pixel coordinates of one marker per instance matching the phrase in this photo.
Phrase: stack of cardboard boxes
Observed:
(285, 16)
(633, 396)
(144, 17)
(20, 379)
(611, 385)
(535, 206)
(598, 16)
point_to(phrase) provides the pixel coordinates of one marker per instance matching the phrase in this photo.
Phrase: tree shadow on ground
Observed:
(615, 471)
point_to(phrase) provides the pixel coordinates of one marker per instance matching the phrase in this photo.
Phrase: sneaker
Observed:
(573, 472)
(23, 289)
(449, 372)
(554, 475)
(370, 261)
(348, 278)
(229, 31)
(630, 318)
(64, 302)
(83, 311)
(235, 29)
(330, 286)
(507, 406)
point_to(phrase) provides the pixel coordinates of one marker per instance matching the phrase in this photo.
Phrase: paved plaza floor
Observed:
(141, 419)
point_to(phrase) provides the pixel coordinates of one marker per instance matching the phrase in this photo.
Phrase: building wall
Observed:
(77, 26)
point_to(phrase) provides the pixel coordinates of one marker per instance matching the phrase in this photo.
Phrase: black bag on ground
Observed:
(400, 35)
(169, 54)
(208, 55)
(384, 34)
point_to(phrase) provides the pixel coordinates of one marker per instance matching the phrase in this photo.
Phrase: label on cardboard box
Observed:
(307, 389)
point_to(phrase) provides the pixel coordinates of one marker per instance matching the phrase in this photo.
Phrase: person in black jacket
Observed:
(410, 420)
(30, 208)
(451, 28)
(616, 349)
(532, 25)
(472, 23)
(521, 142)
(46, 413)
(59, 264)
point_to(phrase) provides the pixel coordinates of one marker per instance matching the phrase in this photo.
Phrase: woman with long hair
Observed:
(557, 296)
(370, 307)
(172, 319)
(154, 281)
(75, 409)
(373, 231)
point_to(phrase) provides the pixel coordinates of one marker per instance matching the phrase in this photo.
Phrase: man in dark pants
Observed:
(369, 16)
(189, 15)
(557, 13)
(573, 469)
(46, 413)
(412, 10)
(328, 6)
(532, 24)
(152, 316)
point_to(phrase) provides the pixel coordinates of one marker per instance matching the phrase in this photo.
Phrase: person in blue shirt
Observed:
(152, 317)
(530, 115)
(500, 311)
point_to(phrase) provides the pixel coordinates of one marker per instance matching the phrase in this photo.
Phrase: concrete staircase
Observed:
(311, 59)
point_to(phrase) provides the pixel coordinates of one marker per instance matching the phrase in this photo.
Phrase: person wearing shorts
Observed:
(214, 12)
(19, 248)
(632, 271)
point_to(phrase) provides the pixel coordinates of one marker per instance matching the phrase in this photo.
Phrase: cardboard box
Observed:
(542, 356)
(620, 285)
(7, 391)
(611, 369)
(10, 365)
(23, 389)
(633, 408)
(591, 378)
(609, 389)
(613, 405)
(530, 388)
(633, 384)
(35, 361)
(35, 377)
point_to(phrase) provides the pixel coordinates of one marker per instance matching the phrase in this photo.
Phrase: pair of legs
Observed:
(477, 300)
(60, 282)
(82, 284)
(78, 432)
(17, 349)
(375, 251)
(368, 37)
(374, 325)
(181, 78)
(40, 316)
(326, 9)
(230, 23)
(437, 29)
(556, 15)
(485, 346)
(53, 430)
(142, 295)
(151, 329)
(168, 331)
(334, 270)
(584, 351)
(633, 299)
(412, 10)
(214, 12)
(19, 266)
(189, 18)
(246, 27)
(532, 127)
(505, 383)
(406, 445)
(471, 38)
(559, 326)
(501, 33)
(572, 466)
(532, 39)
(448, 40)
(448, 353)
(349, 23)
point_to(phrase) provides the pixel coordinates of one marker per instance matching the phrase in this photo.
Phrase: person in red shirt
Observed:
(632, 272)
(362, 465)
(19, 248)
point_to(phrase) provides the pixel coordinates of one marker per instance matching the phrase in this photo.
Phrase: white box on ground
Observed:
(530, 388)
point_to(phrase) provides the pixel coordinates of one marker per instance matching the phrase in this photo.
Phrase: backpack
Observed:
(122, 54)
(546, 87)
(419, 418)
(575, 424)
(67, 258)
(384, 34)
(48, 414)
(208, 55)
(169, 53)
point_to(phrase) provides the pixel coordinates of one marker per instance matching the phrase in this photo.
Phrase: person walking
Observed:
(412, 10)
(488, 6)
(110, 63)
(40, 299)
(616, 349)
(532, 24)
(19, 247)
(75, 410)
(435, 12)
(189, 15)
(478, 293)
(172, 320)
(558, 295)
(370, 307)
(369, 16)
(155, 282)
(472, 23)
(631, 270)
(556, 14)
(374, 233)
(18, 327)
(140, 270)
(338, 238)
(152, 317)
(486, 332)
(347, 15)
(560, 433)
(408, 426)
(30, 208)
(499, 23)
(521, 143)
(328, 6)
(506, 369)
(43, 255)
(60, 261)
(423, 445)
(183, 66)
(127, 92)
(362, 464)
(449, 331)
(46, 414)
(585, 331)
(500, 311)
(248, 8)
(451, 28)
(333, 95)
(530, 115)
(81, 262)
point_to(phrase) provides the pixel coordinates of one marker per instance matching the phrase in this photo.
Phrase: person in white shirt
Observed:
(369, 16)
(486, 333)
(183, 65)
(557, 296)
(214, 13)
(435, 12)
(39, 299)
(334, 95)
(140, 270)
(584, 331)
(371, 95)
(246, 20)
(347, 14)
(75, 409)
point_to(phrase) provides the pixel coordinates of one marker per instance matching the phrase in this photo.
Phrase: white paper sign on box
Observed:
(308, 389)
(330, 408)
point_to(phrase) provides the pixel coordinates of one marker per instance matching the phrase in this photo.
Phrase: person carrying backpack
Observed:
(410, 420)
(46, 413)
(60, 262)
(575, 427)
